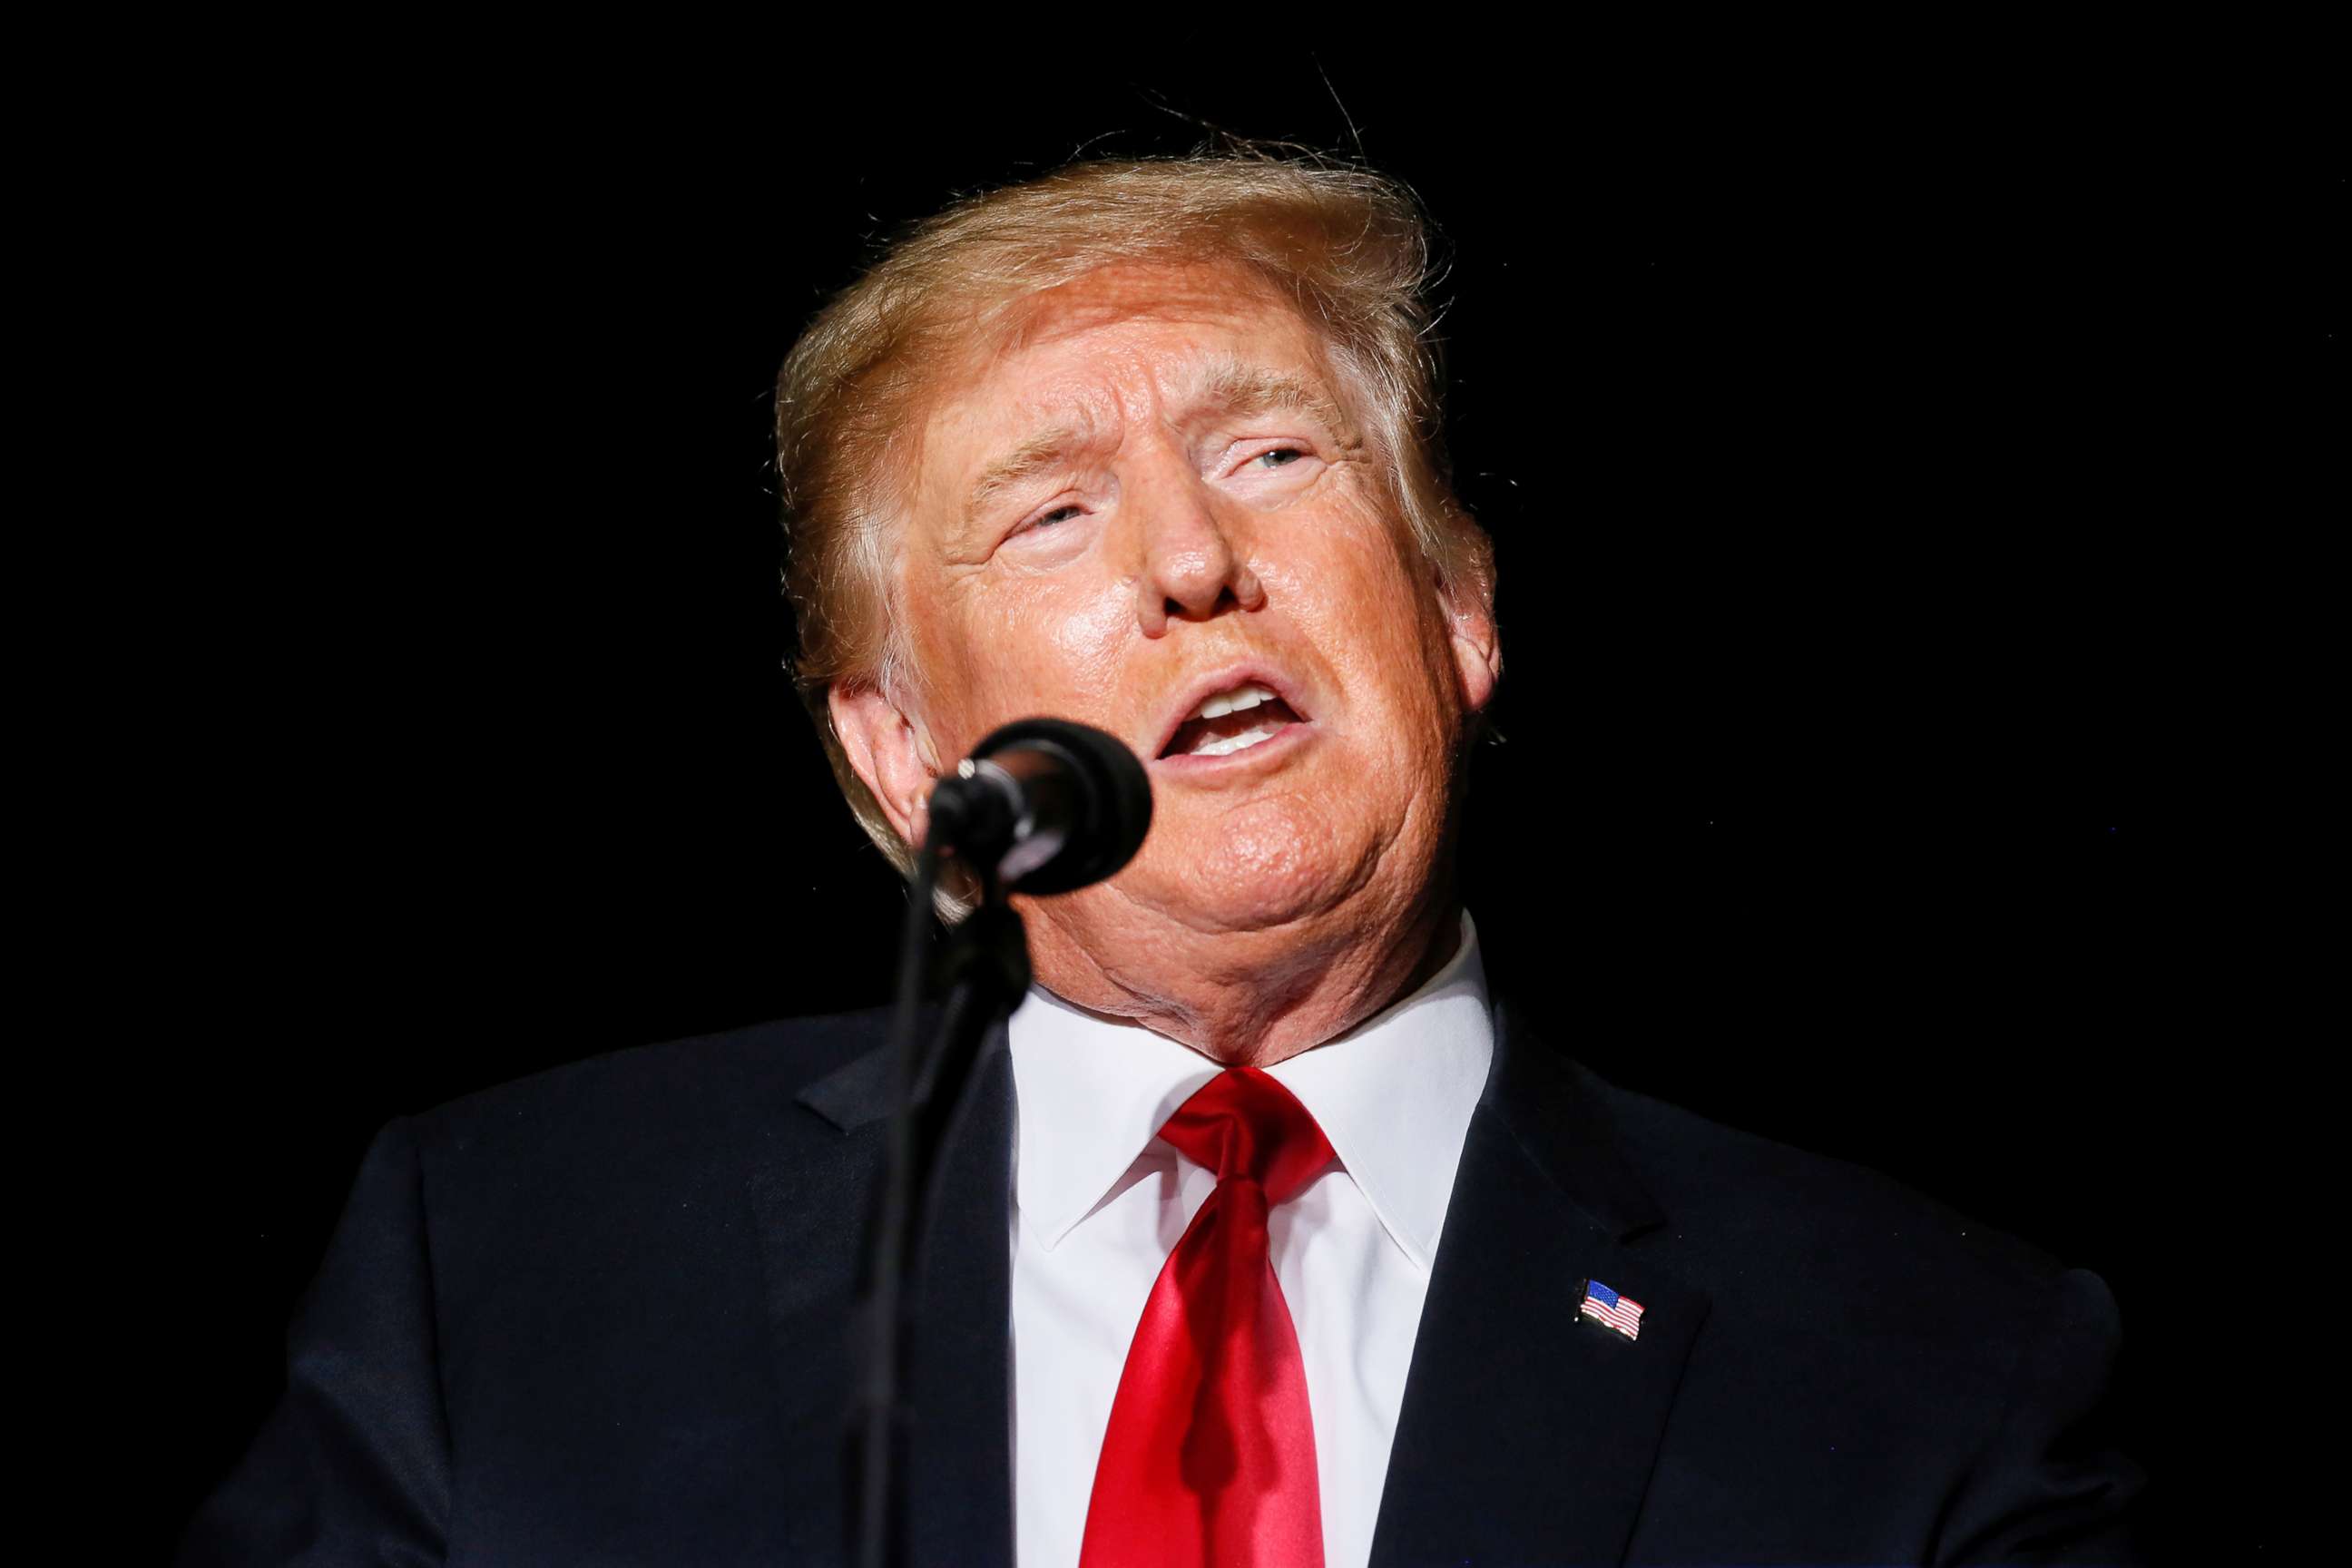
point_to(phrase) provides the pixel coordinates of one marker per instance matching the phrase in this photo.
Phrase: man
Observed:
(1274, 1237)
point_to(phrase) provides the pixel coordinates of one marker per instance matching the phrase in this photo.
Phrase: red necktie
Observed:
(1209, 1459)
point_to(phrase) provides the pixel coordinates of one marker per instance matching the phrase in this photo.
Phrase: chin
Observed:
(1267, 864)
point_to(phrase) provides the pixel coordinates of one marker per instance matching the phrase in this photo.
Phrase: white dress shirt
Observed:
(1101, 1200)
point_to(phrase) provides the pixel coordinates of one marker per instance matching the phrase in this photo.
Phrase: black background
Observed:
(1901, 478)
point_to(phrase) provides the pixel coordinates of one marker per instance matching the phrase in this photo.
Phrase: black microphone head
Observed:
(1116, 800)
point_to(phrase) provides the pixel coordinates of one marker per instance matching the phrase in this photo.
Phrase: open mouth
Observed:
(1231, 720)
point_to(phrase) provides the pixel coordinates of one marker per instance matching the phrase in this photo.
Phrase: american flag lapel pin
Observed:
(1610, 1311)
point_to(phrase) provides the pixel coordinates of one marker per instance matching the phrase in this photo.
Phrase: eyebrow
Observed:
(1232, 386)
(1040, 451)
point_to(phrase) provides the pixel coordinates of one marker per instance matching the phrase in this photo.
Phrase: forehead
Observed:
(1122, 339)
(1205, 294)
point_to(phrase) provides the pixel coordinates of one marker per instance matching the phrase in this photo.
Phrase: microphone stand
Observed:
(984, 968)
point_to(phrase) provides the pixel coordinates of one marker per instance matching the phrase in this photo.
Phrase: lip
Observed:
(1281, 685)
(1266, 753)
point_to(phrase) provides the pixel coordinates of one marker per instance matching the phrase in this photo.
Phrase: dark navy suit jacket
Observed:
(601, 1316)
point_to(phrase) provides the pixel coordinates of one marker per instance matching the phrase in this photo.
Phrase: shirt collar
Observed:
(1394, 1096)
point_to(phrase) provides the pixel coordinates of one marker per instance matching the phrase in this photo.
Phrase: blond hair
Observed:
(1347, 246)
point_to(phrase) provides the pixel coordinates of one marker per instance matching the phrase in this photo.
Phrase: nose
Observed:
(1192, 565)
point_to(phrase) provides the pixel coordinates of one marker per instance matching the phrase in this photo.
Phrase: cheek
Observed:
(1375, 620)
(1027, 649)
(1083, 633)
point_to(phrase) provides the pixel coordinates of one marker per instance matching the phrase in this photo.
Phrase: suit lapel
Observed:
(812, 1212)
(1528, 1433)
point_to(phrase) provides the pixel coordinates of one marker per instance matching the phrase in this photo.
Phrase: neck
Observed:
(1255, 998)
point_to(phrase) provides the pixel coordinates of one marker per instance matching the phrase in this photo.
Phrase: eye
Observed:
(1053, 517)
(1280, 458)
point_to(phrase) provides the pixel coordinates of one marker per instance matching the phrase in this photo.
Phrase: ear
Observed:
(1468, 598)
(889, 752)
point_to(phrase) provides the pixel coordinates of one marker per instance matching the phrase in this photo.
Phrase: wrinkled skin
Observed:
(1178, 528)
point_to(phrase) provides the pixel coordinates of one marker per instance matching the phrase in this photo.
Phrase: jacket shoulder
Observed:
(700, 1083)
(1757, 1199)
(1947, 1367)
(682, 1120)
(1814, 1260)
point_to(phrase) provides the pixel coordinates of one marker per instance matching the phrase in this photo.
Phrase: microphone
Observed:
(1045, 804)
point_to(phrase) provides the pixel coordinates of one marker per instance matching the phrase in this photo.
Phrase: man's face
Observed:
(1156, 500)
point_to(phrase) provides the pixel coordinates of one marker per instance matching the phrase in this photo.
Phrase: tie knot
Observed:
(1243, 1123)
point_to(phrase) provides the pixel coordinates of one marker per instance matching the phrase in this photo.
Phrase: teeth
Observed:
(1238, 700)
(1232, 743)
